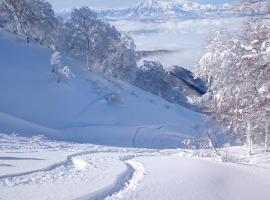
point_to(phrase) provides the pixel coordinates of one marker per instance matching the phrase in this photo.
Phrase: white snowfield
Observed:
(33, 168)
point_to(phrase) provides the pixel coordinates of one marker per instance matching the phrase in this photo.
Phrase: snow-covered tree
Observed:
(62, 73)
(153, 78)
(101, 46)
(34, 20)
(237, 69)
(82, 31)
(17, 10)
(121, 62)
(89, 37)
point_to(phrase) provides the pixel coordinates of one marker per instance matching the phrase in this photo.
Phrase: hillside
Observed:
(86, 108)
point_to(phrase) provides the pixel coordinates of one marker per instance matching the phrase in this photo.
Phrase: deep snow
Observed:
(34, 168)
(171, 177)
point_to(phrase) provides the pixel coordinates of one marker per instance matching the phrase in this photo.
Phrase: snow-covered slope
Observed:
(86, 108)
(163, 9)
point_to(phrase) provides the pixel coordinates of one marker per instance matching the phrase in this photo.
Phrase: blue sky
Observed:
(62, 4)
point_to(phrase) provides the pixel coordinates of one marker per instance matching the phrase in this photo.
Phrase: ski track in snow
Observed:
(66, 163)
(135, 135)
(81, 164)
(137, 132)
(125, 184)
(76, 162)
(131, 185)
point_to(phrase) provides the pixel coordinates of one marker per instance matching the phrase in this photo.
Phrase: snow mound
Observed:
(79, 164)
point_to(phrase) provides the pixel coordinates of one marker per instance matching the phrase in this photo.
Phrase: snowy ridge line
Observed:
(53, 166)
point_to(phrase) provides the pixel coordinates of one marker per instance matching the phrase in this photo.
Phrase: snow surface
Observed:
(100, 172)
(32, 102)
(172, 177)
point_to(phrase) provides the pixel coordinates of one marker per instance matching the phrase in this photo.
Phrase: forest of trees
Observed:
(236, 68)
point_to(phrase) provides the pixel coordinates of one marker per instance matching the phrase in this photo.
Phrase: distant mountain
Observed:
(163, 9)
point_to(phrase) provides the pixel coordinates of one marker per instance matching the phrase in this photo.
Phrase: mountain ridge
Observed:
(162, 9)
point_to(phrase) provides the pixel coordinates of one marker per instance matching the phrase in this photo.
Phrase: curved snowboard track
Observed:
(125, 184)
(130, 187)
(65, 162)
(68, 163)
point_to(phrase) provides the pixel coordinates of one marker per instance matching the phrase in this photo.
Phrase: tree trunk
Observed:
(88, 44)
(21, 30)
(249, 139)
(12, 10)
(248, 135)
(87, 62)
(211, 144)
(266, 137)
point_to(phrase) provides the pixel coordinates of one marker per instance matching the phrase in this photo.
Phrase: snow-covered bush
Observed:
(37, 138)
(63, 74)
(114, 98)
(56, 60)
